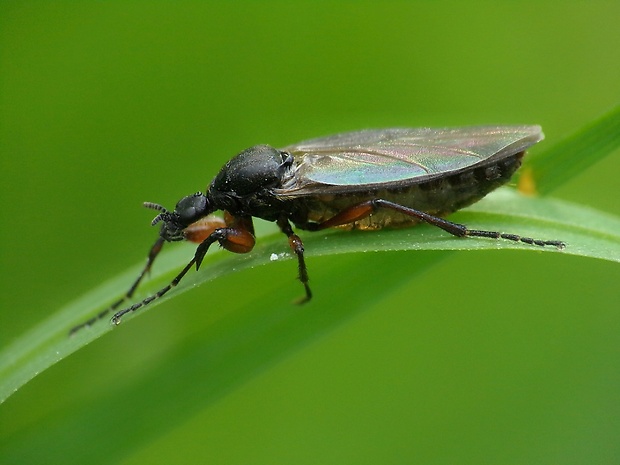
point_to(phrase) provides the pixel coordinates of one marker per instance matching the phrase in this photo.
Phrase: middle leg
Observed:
(297, 246)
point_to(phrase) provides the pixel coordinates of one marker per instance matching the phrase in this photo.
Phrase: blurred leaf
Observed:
(569, 157)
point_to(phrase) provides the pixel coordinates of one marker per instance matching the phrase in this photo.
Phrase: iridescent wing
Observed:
(393, 157)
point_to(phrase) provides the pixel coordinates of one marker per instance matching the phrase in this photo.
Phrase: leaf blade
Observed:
(589, 234)
(568, 158)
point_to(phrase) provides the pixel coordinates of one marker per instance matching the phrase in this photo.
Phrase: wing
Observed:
(381, 156)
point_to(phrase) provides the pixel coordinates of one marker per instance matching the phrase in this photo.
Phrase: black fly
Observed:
(366, 180)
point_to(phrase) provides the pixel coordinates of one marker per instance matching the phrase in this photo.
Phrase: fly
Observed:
(367, 180)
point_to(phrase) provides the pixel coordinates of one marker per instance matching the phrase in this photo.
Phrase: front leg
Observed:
(237, 237)
(297, 246)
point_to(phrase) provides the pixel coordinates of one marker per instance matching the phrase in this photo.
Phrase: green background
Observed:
(487, 357)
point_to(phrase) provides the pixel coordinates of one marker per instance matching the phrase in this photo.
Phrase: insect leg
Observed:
(364, 209)
(461, 230)
(155, 249)
(240, 234)
(116, 318)
(237, 240)
(297, 246)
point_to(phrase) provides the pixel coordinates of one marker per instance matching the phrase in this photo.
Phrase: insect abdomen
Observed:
(440, 196)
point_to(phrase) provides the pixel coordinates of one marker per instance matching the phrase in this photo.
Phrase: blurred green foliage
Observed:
(487, 357)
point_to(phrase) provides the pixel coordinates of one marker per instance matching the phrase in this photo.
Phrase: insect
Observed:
(366, 180)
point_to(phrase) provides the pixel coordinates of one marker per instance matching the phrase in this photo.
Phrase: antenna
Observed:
(163, 216)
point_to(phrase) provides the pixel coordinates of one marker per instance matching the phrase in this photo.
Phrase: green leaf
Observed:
(588, 233)
(569, 157)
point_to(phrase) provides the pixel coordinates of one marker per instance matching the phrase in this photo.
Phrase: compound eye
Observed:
(191, 208)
